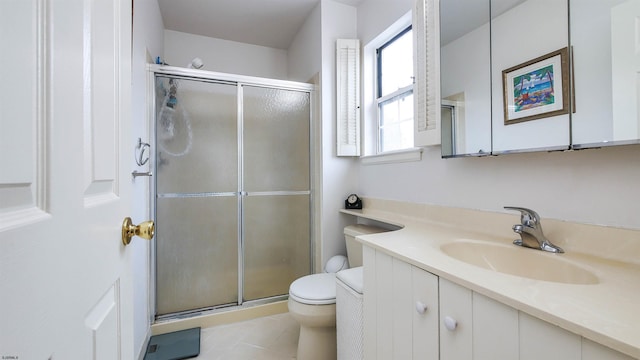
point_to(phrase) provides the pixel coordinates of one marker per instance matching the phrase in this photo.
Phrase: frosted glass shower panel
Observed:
(276, 139)
(197, 136)
(197, 252)
(277, 243)
(233, 191)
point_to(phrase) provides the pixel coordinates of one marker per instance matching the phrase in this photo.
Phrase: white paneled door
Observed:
(65, 179)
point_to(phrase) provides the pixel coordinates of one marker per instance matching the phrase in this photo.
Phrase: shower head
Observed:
(196, 63)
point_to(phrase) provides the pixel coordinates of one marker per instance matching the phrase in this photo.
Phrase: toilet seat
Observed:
(316, 289)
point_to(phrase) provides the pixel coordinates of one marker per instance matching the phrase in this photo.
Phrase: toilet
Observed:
(312, 300)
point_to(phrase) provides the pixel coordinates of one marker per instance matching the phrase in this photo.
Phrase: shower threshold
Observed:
(219, 309)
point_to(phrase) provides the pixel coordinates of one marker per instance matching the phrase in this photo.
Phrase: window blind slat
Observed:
(348, 96)
(426, 71)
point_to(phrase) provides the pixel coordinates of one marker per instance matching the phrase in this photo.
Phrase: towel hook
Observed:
(140, 157)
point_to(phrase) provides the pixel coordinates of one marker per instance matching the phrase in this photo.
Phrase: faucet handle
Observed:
(528, 217)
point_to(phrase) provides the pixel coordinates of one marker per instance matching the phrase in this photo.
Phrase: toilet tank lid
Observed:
(360, 229)
(352, 278)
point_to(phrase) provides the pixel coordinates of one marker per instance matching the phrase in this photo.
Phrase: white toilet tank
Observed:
(354, 248)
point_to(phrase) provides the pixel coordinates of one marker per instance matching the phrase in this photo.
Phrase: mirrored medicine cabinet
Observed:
(516, 77)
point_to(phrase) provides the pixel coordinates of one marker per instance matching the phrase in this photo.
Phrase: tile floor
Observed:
(266, 338)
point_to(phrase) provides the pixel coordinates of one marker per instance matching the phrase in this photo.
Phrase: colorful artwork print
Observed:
(537, 88)
(533, 89)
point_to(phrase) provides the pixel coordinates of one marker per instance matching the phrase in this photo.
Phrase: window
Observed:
(394, 93)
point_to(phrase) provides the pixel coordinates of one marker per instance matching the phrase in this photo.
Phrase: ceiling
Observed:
(458, 17)
(274, 23)
(271, 23)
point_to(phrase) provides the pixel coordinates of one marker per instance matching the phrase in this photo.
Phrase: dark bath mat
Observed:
(183, 344)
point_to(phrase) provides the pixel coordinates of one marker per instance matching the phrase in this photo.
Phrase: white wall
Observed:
(591, 186)
(148, 38)
(374, 16)
(597, 186)
(304, 56)
(225, 56)
(339, 174)
(305, 63)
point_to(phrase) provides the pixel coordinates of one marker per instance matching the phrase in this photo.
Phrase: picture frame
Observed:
(536, 89)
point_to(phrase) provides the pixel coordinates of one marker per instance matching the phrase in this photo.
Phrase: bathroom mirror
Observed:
(494, 54)
(529, 75)
(606, 67)
(491, 45)
(465, 77)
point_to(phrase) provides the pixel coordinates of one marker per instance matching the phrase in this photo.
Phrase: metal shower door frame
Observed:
(239, 81)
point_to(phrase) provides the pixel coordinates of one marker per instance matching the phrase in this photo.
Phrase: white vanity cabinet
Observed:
(472, 326)
(401, 313)
(455, 321)
(495, 329)
(595, 351)
(541, 340)
(410, 313)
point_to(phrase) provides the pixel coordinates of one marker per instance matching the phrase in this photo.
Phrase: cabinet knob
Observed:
(421, 307)
(450, 323)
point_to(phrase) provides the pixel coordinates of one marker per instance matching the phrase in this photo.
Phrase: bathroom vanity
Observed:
(425, 297)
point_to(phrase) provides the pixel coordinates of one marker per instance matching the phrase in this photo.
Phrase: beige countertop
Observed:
(607, 312)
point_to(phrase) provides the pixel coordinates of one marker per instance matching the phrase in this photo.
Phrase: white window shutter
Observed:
(348, 96)
(426, 90)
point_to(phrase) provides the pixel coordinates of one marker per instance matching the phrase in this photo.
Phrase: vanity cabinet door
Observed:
(594, 351)
(370, 303)
(542, 340)
(378, 304)
(400, 309)
(415, 312)
(455, 321)
(424, 307)
(495, 329)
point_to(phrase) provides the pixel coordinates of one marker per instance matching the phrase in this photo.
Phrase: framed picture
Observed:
(536, 89)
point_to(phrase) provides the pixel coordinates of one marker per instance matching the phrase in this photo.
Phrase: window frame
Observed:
(369, 118)
(379, 58)
(400, 93)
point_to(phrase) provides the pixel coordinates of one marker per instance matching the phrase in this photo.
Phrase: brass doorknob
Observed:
(145, 230)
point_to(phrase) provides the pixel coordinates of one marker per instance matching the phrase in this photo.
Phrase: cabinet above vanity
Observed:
(538, 75)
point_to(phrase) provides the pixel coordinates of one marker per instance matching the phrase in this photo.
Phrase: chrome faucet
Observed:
(530, 230)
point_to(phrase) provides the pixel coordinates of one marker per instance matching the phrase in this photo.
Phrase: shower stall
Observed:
(231, 191)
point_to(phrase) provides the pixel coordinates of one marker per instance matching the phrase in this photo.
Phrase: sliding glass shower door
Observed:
(276, 183)
(197, 203)
(233, 192)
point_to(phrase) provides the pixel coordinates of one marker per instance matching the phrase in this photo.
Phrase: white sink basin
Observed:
(514, 260)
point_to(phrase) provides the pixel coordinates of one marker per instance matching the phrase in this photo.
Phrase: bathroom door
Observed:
(66, 156)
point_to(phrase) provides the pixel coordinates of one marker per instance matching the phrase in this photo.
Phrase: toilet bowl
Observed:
(312, 300)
